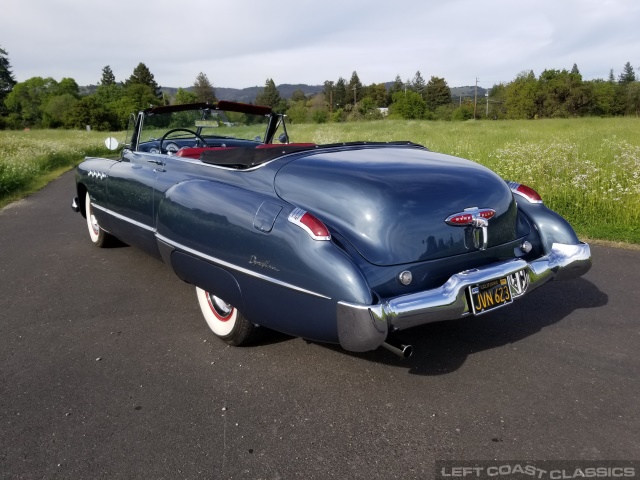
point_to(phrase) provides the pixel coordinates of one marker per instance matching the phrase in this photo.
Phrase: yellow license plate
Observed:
(490, 295)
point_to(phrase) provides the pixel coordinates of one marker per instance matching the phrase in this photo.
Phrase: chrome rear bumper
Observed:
(365, 327)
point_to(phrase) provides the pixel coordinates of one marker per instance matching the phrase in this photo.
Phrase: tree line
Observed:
(46, 103)
(563, 93)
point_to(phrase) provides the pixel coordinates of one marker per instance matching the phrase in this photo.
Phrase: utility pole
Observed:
(331, 101)
(354, 95)
(475, 100)
(486, 94)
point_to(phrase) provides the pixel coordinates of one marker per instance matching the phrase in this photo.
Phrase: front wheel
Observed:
(224, 320)
(98, 236)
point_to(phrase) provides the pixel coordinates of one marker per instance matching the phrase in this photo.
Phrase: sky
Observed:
(242, 43)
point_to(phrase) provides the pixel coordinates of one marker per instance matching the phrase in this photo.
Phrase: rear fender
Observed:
(210, 278)
(550, 226)
(240, 243)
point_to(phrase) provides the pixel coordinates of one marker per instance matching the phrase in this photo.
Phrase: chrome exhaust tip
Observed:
(399, 348)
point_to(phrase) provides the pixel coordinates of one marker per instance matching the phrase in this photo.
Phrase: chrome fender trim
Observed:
(365, 327)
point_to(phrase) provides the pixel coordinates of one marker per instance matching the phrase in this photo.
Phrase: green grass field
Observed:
(586, 169)
(29, 158)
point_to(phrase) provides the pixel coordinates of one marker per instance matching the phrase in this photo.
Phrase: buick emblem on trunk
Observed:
(478, 220)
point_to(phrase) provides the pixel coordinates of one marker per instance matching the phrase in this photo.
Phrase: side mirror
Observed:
(258, 138)
(283, 138)
(111, 143)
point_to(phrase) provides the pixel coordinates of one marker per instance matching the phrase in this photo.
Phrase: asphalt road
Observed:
(107, 370)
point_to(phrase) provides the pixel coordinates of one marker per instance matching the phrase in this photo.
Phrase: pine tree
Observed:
(628, 75)
(437, 93)
(354, 89)
(108, 78)
(327, 91)
(142, 76)
(204, 89)
(269, 96)
(6, 77)
(574, 69)
(396, 86)
(418, 84)
(612, 79)
(340, 93)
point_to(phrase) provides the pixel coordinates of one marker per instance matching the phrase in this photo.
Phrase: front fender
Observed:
(92, 176)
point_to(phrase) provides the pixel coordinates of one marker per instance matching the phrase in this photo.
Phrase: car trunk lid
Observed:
(391, 202)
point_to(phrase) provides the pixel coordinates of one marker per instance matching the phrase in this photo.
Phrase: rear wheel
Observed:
(98, 236)
(224, 320)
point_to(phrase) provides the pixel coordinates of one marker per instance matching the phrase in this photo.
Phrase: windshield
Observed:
(207, 123)
(215, 127)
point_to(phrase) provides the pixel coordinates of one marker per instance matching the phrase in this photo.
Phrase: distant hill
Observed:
(248, 95)
(457, 92)
(87, 90)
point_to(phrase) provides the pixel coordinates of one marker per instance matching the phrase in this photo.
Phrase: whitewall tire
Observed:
(98, 236)
(224, 320)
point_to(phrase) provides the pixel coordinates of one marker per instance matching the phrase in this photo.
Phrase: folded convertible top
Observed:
(248, 157)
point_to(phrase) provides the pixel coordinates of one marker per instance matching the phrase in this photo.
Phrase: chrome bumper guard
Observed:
(75, 205)
(365, 327)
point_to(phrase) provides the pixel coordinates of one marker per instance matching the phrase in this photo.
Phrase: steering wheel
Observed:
(164, 137)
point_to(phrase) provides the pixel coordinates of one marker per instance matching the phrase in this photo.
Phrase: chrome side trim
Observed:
(209, 258)
(123, 218)
(365, 327)
(246, 271)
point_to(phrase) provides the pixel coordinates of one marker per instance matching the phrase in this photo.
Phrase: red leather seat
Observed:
(195, 152)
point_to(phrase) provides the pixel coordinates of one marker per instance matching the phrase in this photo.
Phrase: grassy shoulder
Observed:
(28, 159)
(33, 185)
(586, 169)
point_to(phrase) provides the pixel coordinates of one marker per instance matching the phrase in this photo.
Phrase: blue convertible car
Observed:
(345, 243)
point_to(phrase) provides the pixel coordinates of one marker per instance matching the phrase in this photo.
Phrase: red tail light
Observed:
(310, 224)
(527, 192)
(459, 219)
(487, 213)
(467, 217)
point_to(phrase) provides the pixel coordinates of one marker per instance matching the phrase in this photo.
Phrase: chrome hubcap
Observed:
(221, 307)
(94, 224)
